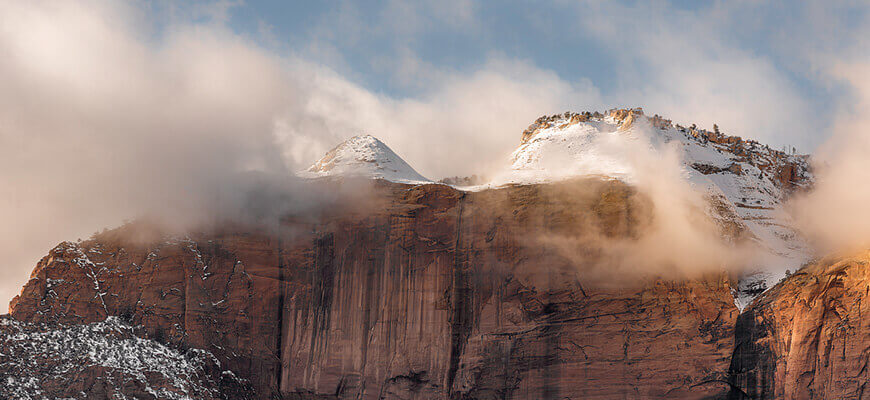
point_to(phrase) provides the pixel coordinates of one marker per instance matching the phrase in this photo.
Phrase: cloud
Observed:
(105, 116)
(683, 64)
(672, 232)
(836, 213)
(99, 123)
(462, 125)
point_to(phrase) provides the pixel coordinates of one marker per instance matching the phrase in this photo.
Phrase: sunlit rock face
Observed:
(806, 338)
(432, 293)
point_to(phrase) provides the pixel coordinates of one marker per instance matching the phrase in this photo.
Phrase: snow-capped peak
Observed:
(364, 156)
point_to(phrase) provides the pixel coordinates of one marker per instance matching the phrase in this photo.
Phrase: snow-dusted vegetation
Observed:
(38, 361)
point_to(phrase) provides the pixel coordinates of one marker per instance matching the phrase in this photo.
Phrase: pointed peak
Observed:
(364, 156)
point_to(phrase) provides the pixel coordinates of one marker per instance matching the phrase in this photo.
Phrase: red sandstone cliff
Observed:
(434, 293)
(806, 338)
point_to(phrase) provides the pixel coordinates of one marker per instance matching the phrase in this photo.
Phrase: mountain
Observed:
(364, 156)
(746, 182)
(741, 178)
(426, 291)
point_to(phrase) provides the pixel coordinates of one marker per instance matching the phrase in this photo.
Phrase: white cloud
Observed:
(836, 213)
(99, 124)
(464, 124)
(101, 120)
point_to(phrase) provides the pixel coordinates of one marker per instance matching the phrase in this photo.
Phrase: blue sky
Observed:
(631, 52)
(360, 34)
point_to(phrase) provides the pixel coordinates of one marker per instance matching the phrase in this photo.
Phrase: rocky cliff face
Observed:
(434, 293)
(806, 338)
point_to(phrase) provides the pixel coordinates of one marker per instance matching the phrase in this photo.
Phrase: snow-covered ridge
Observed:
(574, 138)
(364, 156)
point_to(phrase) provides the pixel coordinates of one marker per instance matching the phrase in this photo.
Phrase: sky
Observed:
(110, 109)
(733, 62)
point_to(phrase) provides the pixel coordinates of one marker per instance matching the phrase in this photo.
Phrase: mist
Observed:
(105, 118)
(98, 125)
(835, 213)
(675, 234)
(682, 240)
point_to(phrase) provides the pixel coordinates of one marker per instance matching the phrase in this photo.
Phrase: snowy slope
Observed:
(565, 149)
(364, 156)
(740, 173)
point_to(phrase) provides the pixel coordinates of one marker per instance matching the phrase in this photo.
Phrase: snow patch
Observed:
(58, 353)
